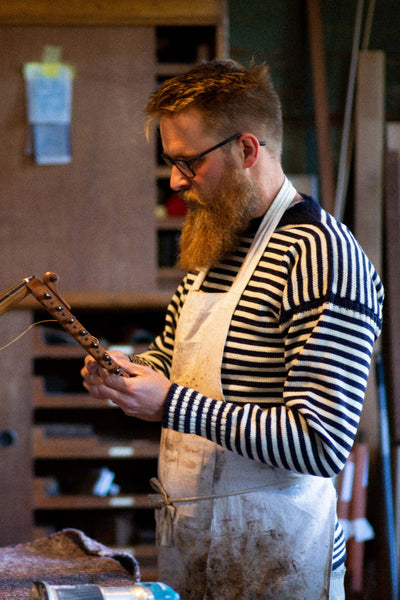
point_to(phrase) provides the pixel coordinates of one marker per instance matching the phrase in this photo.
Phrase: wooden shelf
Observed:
(144, 551)
(105, 300)
(86, 501)
(148, 573)
(90, 447)
(146, 555)
(43, 348)
(83, 502)
(58, 400)
(113, 295)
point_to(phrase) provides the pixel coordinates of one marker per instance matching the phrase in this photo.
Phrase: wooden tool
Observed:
(47, 294)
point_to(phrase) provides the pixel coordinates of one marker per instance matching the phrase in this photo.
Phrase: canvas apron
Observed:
(265, 533)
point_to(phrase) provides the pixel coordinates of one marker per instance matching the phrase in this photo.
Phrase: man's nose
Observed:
(178, 181)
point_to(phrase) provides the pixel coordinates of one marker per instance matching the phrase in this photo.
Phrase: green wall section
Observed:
(276, 31)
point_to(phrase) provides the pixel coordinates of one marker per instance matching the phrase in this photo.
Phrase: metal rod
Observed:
(14, 294)
(348, 134)
(347, 142)
(387, 478)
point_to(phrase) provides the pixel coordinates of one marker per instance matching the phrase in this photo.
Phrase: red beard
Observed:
(213, 226)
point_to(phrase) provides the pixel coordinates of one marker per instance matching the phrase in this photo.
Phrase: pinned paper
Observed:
(49, 101)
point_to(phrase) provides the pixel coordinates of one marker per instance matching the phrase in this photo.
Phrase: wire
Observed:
(26, 331)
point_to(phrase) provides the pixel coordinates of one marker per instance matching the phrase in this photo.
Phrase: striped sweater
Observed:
(296, 359)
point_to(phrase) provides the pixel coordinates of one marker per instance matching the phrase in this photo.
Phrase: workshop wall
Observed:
(277, 32)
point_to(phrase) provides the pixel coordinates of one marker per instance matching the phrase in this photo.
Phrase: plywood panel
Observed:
(90, 221)
(368, 213)
(370, 126)
(16, 479)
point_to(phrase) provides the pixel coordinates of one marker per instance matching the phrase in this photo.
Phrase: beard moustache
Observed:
(213, 226)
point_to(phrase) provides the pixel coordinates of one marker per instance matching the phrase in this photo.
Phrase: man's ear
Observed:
(250, 149)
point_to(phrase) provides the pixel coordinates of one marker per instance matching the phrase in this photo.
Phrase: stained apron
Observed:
(246, 530)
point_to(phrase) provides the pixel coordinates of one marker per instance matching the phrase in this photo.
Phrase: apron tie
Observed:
(165, 504)
(162, 501)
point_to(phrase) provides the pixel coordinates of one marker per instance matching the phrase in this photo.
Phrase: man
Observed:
(259, 375)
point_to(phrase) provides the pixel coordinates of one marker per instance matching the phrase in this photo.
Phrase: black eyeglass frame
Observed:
(182, 164)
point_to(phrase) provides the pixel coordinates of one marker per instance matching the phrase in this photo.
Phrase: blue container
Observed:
(41, 590)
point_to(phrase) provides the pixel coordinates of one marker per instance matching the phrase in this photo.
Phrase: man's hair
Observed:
(231, 98)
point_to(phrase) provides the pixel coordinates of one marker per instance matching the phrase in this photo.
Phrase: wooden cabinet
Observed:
(94, 222)
(91, 463)
(178, 48)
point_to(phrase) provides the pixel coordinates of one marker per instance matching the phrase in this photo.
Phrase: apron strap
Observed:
(270, 221)
(160, 500)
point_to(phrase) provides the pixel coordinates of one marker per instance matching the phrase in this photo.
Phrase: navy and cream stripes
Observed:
(297, 355)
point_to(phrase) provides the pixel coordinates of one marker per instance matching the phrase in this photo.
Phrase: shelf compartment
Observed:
(44, 349)
(46, 399)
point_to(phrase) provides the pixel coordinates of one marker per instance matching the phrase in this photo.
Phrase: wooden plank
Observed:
(368, 227)
(370, 107)
(97, 300)
(358, 512)
(222, 29)
(90, 447)
(104, 12)
(321, 106)
(346, 151)
(368, 193)
(392, 308)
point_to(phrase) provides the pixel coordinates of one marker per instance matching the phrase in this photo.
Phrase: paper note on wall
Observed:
(49, 100)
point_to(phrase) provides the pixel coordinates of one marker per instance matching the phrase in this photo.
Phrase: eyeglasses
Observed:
(185, 166)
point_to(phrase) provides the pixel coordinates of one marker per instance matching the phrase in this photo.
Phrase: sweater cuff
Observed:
(167, 405)
(188, 411)
(167, 414)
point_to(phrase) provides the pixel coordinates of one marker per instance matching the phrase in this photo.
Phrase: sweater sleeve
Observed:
(160, 352)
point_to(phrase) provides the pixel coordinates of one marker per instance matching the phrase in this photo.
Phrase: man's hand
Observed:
(141, 395)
